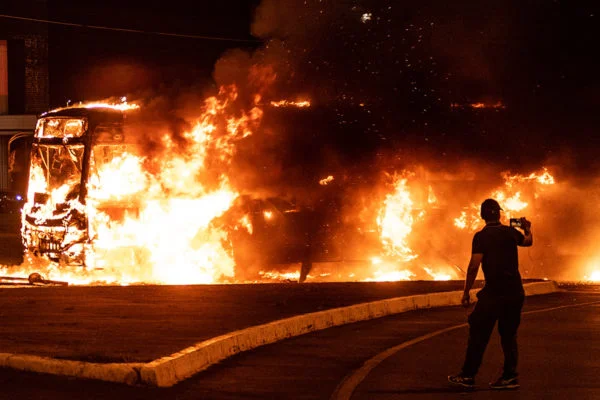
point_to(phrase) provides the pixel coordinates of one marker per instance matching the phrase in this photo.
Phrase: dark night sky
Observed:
(90, 63)
(466, 49)
(386, 69)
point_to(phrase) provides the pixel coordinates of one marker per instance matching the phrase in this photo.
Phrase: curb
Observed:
(111, 372)
(169, 370)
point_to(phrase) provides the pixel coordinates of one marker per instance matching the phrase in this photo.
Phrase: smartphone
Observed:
(515, 222)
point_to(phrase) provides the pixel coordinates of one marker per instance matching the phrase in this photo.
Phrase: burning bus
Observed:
(69, 148)
(97, 199)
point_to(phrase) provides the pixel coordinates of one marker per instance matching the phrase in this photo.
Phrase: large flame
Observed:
(396, 220)
(164, 233)
(511, 197)
(153, 220)
(410, 203)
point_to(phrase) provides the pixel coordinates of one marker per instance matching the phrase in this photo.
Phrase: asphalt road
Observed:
(142, 323)
(560, 358)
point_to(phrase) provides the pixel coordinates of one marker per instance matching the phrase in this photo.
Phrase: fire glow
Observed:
(402, 212)
(594, 276)
(479, 105)
(289, 103)
(122, 105)
(165, 233)
(326, 181)
(509, 196)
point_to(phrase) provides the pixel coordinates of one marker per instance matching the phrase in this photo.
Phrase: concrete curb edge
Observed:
(127, 373)
(167, 371)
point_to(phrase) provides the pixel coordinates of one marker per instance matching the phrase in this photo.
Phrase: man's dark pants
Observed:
(488, 310)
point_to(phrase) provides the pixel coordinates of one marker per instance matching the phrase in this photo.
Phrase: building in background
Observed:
(24, 87)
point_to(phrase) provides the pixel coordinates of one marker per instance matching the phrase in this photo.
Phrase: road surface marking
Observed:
(347, 386)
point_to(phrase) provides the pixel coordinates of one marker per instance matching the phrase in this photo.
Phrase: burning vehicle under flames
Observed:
(99, 198)
(273, 230)
(83, 201)
(69, 148)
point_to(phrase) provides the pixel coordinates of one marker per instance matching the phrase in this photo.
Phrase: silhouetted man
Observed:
(501, 299)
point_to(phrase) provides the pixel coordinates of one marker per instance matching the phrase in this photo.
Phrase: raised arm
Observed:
(526, 225)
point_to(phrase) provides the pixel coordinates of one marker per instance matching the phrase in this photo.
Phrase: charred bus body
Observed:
(69, 148)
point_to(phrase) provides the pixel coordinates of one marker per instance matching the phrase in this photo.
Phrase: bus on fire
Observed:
(69, 148)
(73, 204)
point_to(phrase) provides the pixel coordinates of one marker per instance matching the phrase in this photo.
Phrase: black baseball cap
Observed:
(490, 209)
(491, 205)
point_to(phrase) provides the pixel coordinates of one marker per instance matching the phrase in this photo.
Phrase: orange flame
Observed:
(290, 103)
(594, 276)
(163, 233)
(326, 181)
(510, 197)
(165, 230)
(396, 220)
(123, 105)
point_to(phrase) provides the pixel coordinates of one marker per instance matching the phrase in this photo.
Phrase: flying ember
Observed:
(326, 181)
